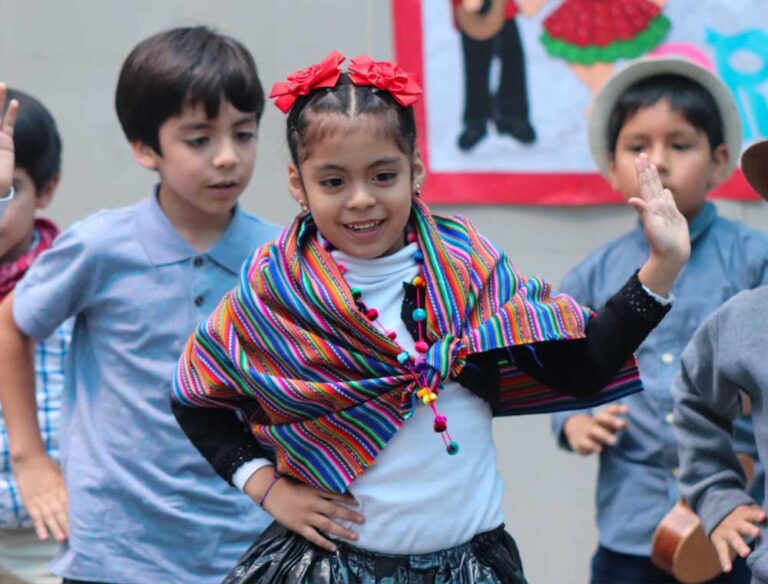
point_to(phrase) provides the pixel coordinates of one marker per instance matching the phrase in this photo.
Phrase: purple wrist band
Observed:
(277, 476)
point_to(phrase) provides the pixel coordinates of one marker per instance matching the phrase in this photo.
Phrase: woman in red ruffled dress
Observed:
(592, 34)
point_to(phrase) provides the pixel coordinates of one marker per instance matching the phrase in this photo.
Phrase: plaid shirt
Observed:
(50, 357)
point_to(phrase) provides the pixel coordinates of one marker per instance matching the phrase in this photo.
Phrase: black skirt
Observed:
(280, 556)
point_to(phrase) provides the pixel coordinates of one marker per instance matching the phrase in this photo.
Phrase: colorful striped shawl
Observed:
(321, 386)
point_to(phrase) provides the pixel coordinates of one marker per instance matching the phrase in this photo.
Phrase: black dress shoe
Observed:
(519, 128)
(472, 134)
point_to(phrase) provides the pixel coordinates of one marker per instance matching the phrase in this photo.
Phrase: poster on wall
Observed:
(508, 85)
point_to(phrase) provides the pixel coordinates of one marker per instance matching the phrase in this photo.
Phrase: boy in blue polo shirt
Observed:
(685, 119)
(140, 503)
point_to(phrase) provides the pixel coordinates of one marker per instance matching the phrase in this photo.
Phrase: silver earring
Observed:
(304, 207)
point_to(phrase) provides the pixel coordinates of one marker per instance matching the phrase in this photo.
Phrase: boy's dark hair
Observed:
(36, 140)
(179, 67)
(695, 103)
(347, 99)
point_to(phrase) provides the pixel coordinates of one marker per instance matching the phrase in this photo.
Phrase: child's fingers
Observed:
(748, 529)
(52, 520)
(616, 409)
(723, 553)
(37, 520)
(638, 205)
(327, 525)
(346, 498)
(754, 514)
(311, 534)
(589, 446)
(601, 435)
(331, 509)
(9, 120)
(610, 421)
(737, 543)
(342, 512)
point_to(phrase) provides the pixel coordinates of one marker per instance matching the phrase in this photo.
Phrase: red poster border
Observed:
(491, 188)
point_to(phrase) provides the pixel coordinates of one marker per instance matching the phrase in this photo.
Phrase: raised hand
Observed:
(307, 511)
(665, 229)
(7, 122)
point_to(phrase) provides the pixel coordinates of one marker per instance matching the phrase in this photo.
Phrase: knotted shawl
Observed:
(320, 385)
(12, 272)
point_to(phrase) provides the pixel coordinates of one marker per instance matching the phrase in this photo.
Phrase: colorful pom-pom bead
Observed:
(439, 425)
(356, 292)
(421, 347)
(429, 398)
(403, 357)
(372, 314)
(418, 281)
(422, 392)
(419, 314)
(391, 335)
(410, 237)
(418, 257)
(342, 268)
(452, 448)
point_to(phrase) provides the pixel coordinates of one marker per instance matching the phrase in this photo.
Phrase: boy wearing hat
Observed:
(726, 356)
(687, 123)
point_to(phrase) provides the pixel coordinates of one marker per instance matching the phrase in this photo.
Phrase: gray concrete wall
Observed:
(69, 53)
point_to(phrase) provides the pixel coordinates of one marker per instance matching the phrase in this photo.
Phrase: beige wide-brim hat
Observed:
(650, 67)
(754, 165)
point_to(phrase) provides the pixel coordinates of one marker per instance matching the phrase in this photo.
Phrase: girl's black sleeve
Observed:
(579, 367)
(220, 436)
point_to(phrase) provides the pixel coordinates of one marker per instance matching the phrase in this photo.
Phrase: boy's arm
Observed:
(706, 403)
(39, 477)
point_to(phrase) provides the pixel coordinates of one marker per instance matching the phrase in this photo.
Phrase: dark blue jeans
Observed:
(610, 567)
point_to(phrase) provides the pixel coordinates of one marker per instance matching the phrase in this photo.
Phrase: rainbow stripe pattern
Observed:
(321, 387)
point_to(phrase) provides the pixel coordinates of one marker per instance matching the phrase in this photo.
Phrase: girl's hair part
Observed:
(348, 100)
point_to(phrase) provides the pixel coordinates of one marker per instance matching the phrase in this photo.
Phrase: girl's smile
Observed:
(358, 185)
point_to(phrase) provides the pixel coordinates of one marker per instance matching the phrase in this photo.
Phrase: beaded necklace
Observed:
(416, 366)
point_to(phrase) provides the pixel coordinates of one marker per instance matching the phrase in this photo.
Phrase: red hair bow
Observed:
(324, 74)
(387, 76)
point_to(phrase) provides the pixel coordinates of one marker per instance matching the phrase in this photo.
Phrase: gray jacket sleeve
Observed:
(707, 402)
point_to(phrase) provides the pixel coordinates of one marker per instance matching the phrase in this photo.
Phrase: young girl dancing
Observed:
(370, 345)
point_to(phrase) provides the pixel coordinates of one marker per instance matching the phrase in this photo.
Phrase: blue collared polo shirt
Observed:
(144, 505)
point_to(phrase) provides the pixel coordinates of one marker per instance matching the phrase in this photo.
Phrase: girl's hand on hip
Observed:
(7, 122)
(307, 511)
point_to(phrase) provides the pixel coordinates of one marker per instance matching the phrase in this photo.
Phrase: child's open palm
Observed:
(665, 227)
(7, 122)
